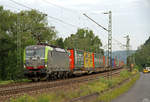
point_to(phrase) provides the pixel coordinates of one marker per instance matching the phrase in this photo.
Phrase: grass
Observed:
(13, 81)
(118, 91)
(83, 90)
(6, 82)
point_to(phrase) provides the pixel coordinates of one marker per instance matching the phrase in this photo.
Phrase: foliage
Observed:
(83, 90)
(6, 82)
(60, 43)
(31, 26)
(136, 68)
(108, 96)
(14, 81)
(84, 40)
(142, 55)
(125, 74)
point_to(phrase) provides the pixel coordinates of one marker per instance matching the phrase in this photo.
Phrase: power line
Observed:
(47, 15)
(48, 2)
(70, 10)
(54, 18)
(95, 22)
(20, 4)
(118, 42)
(13, 7)
(67, 9)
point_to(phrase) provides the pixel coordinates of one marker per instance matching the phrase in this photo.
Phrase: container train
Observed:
(43, 62)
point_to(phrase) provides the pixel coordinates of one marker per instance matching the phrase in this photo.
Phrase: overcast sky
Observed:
(130, 17)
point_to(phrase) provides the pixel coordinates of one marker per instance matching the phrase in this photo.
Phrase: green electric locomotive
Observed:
(43, 62)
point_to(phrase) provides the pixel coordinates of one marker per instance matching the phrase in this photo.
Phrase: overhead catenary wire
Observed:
(55, 5)
(54, 18)
(79, 13)
(64, 8)
(10, 6)
(20, 4)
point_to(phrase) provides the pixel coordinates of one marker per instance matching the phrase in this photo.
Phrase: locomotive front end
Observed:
(35, 62)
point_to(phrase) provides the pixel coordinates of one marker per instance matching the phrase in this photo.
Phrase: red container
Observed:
(103, 60)
(76, 59)
(71, 59)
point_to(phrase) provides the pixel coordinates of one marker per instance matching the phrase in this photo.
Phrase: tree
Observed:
(142, 55)
(60, 43)
(84, 40)
(32, 27)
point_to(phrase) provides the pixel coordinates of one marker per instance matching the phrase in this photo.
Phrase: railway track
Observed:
(10, 91)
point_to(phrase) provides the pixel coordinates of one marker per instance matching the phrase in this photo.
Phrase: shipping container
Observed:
(79, 59)
(71, 56)
(117, 62)
(122, 64)
(96, 60)
(76, 59)
(113, 62)
(88, 60)
(104, 61)
(107, 62)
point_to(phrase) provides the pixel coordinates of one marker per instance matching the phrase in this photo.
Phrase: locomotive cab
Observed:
(35, 61)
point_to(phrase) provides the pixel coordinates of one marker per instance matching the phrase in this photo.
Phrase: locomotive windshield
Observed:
(35, 53)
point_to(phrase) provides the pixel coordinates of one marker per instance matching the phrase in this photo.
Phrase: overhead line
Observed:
(118, 42)
(47, 15)
(20, 4)
(95, 22)
(47, 2)
(13, 7)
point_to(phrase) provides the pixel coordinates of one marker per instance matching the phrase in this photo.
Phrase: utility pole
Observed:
(127, 49)
(110, 39)
(19, 58)
(109, 30)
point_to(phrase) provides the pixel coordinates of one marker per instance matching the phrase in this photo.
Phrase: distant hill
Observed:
(122, 55)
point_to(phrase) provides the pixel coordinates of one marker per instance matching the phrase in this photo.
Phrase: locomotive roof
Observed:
(35, 46)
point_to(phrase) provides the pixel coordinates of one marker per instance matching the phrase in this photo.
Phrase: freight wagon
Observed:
(49, 62)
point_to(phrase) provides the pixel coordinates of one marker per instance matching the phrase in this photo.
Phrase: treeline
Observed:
(84, 40)
(142, 55)
(32, 27)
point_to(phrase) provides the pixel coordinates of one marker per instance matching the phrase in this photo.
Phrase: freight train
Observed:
(43, 62)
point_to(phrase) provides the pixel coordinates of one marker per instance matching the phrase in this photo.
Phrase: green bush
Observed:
(136, 67)
(125, 74)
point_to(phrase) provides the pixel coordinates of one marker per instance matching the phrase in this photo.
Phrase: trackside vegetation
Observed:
(142, 55)
(85, 89)
(31, 27)
(108, 96)
(14, 81)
